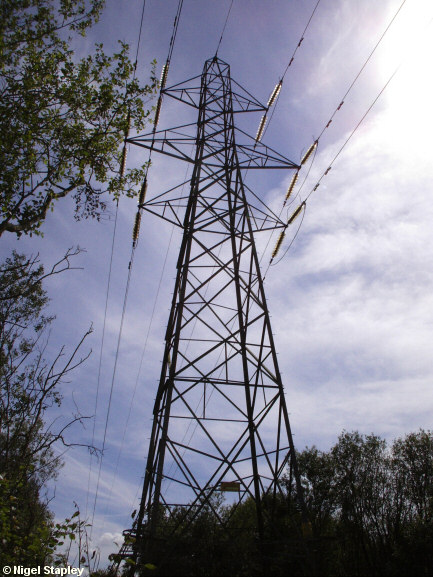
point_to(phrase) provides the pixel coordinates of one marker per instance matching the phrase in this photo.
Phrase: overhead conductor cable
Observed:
(121, 173)
(314, 145)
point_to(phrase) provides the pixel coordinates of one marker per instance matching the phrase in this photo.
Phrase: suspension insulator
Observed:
(164, 75)
(279, 243)
(123, 161)
(296, 213)
(142, 192)
(275, 94)
(309, 152)
(292, 186)
(136, 230)
(261, 128)
(128, 124)
(157, 113)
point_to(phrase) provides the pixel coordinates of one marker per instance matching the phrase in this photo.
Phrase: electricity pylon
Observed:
(220, 416)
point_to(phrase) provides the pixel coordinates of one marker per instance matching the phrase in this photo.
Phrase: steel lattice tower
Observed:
(220, 415)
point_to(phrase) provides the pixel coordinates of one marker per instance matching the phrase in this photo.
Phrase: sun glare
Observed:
(408, 49)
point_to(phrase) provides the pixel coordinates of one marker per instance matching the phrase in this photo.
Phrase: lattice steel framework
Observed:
(220, 415)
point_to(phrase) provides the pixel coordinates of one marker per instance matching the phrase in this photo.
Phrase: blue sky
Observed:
(352, 300)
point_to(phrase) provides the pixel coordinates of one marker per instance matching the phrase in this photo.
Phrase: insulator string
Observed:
(341, 102)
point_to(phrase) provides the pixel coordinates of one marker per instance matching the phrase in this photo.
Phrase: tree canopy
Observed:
(30, 386)
(63, 120)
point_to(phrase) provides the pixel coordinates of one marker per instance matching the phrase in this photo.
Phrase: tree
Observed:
(29, 387)
(371, 504)
(413, 464)
(318, 480)
(412, 467)
(63, 121)
(364, 494)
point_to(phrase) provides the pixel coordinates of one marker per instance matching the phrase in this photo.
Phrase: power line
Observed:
(163, 81)
(165, 68)
(116, 358)
(224, 28)
(353, 131)
(144, 349)
(367, 111)
(102, 348)
(362, 68)
(301, 40)
(121, 174)
(136, 228)
(272, 103)
(341, 102)
(277, 89)
(139, 38)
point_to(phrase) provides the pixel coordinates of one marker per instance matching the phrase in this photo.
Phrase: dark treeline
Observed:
(370, 505)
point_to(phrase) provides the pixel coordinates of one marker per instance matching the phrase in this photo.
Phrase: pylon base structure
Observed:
(221, 425)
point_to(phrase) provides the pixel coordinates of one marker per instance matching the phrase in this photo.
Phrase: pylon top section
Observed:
(215, 70)
(216, 95)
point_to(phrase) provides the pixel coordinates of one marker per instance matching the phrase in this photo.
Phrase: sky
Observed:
(351, 301)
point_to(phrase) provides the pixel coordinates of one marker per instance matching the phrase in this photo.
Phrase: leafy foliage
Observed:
(63, 121)
(29, 387)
